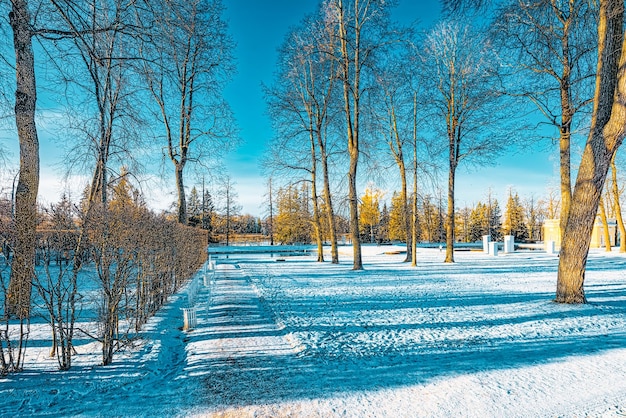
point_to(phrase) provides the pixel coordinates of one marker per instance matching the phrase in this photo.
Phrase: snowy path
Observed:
(237, 342)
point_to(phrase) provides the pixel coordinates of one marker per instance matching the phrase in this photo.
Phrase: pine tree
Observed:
(385, 225)
(514, 223)
(495, 221)
(397, 228)
(369, 213)
(292, 222)
(194, 205)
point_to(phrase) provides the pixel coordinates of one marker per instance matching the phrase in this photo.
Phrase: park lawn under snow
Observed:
(480, 337)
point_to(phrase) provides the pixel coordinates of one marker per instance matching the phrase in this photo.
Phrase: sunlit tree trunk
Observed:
(605, 226)
(414, 217)
(330, 212)
(398, 154)
(317, 227)
(607, 133)
(351, 96)
(23, 265)
(450, 220)
(618, 207)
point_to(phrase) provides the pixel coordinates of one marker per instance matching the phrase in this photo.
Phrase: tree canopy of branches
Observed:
(302, 105)
(550, 45)
(186, 65)
(461, 69)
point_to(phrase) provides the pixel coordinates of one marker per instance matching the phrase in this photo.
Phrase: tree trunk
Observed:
(399, 157)
(414, 217)
(565, 169)
(351, 92)
(605, 226)
(180, 188)
(406, 213)
(330, 212)
(23, 266)
(618, 208)
(354, 212)
(450, 225)
(317, 227)
(606, 134)
(565, 130)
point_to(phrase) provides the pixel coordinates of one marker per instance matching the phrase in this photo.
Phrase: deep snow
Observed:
(477, 338)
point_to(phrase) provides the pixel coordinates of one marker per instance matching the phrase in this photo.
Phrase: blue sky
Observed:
(259, 27)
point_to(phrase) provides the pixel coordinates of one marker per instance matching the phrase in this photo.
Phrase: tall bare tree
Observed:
(608, 121)
(553, 51)
(302, 105)
(22, 268)
(397, 124)
(187, 62)
(363, 28)
(465, 101)
(607, 133)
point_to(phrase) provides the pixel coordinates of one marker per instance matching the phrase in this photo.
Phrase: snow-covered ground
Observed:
(478, 338)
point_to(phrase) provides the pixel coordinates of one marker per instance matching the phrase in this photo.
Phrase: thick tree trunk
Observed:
(606, 134)
(180, 188)
(565, 169)
(23, 265)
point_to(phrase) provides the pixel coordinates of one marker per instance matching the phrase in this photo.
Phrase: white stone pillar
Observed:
(509, 244)
(493, 248)
(486, 241)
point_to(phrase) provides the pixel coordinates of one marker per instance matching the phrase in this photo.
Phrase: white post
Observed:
(486, 241)
(509, 243)
(550, 247)
(493, 248)
(189, 319)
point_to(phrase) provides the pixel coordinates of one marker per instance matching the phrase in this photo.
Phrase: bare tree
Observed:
(22, 268)
(552, 51)
(187, 62)
(399, 126)
(301, 104)
(606, 135)
(361, 26)
(230, 207)
(463, 97)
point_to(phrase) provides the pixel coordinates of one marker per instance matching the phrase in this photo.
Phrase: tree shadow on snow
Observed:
(352, 354)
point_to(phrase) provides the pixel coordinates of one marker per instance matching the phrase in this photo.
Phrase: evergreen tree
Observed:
(495, 221)
(385, 225)
(194, 205)
(292, 223)
(514, 223)
(369, 213)
(461, 225)
(478, 222)
(397, 228)
(208, 212)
